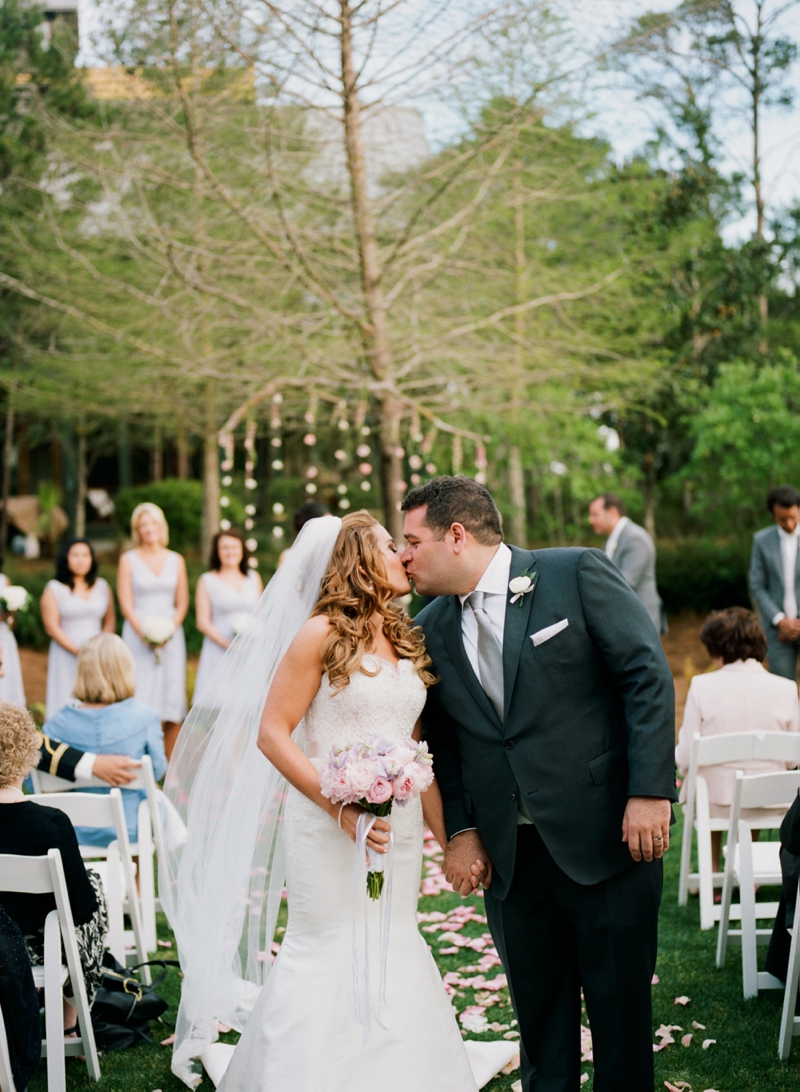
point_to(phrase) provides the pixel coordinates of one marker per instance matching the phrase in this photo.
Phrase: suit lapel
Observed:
(516, 625)
(776, 552)
(455, 647)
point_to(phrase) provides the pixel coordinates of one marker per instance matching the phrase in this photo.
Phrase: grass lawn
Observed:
(743, 1058)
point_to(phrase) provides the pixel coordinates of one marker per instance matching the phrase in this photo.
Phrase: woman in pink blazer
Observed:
(742, 696)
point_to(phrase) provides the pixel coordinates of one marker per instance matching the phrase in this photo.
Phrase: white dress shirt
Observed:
(612, 541)
(789, 558)
(494, 585)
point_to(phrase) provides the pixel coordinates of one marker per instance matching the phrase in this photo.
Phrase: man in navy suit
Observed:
(775, 580)
(552, 730)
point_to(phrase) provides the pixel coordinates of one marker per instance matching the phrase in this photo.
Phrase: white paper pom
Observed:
(252, 562)
(276, 441)
(415, 479)
(430, 468)
(277, 508)
(224, 502)
(250, 483)
(311, 488)
(227, 480)
(248, 525)
(309, 439)
(366, 486)
(277, 464)
(415, 462)
(366, 431)
(252, 544)
(312, 472)
(277, 532)
(227, 464)
(224, 525)
(363, 450)
(250, 509)
(344, 503)
(365, 468)
(341, 489)
(340, 455)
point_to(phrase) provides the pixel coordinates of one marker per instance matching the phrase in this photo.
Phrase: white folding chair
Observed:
(115, 866)
(790, 1023)
(748, 863)
(43, 876)
(150, 834)
(6, 1076)
(714, 751)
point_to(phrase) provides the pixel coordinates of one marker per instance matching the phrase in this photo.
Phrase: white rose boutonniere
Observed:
(521, 585)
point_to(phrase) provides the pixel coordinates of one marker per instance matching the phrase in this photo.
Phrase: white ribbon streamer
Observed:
(365, 856)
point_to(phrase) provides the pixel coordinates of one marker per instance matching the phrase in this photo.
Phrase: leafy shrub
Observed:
(703, 575)
(182, 504)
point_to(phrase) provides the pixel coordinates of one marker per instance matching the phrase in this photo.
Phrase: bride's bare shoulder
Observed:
(311, 635)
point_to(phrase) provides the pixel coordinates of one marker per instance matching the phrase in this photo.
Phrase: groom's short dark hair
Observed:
(457, 500)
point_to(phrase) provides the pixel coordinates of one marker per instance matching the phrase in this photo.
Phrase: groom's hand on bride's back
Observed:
(467, 865)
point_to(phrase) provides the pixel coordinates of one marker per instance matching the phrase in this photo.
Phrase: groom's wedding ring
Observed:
(657, 838)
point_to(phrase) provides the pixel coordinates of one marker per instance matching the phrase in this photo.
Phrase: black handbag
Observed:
(123, 1006)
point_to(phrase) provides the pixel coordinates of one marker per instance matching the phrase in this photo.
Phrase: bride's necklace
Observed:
(11, 795)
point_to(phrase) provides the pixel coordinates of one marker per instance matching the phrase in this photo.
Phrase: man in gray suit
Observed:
(631, 550)
(775, 580)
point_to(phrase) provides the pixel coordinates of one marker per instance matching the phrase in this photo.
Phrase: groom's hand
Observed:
(645, 827)
(466, 863)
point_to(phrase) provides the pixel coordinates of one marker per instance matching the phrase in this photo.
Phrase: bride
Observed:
(354, 997)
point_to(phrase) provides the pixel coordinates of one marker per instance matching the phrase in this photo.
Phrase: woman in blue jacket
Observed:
(110, 720)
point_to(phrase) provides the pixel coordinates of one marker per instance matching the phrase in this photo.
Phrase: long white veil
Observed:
(221, 889)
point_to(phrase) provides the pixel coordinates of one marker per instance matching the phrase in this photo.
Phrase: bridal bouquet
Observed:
(14, 598)
(156, 631)
(377, 773)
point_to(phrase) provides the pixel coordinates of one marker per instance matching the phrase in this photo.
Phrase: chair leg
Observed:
(747, 898)
(53, 1006)
(686, 857)
(725, 909)
(790, 994)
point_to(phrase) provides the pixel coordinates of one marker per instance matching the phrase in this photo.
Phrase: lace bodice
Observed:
(386, 705)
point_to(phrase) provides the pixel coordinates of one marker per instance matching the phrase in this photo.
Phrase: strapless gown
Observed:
(303, 1034)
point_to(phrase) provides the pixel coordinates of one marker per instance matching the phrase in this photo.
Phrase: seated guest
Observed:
(110, 720)
(742, 696)
(60, 760)
(31, 830)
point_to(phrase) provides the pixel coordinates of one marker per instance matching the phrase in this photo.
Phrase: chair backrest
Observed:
(28, 875)
(746, 746)
(88, 809)
(766, 790)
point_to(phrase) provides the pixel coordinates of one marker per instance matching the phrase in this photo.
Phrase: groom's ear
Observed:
(457, 536)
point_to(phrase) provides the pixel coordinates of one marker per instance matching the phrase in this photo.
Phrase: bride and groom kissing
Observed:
(540, 685)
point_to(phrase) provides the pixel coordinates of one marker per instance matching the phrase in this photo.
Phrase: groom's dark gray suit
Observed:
(589, 722)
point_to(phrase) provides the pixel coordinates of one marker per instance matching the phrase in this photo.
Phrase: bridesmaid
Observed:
(75, 606)
(11, 685)
(151, 581)
(229, 591)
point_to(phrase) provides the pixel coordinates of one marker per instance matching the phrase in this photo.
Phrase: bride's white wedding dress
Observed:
(303, 1034)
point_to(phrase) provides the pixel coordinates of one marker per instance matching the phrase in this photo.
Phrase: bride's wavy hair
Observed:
(355, 588)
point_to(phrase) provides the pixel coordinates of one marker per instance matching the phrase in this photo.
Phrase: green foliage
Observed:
(746, 440)
(702, 575)
(181, 502)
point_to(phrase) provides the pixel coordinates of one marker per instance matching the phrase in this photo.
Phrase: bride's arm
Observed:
(293, 688)
(432, 809)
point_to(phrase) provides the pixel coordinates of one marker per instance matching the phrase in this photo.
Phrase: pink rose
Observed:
(423, 776)
(403, 786)
(360, 776)
(380, 792)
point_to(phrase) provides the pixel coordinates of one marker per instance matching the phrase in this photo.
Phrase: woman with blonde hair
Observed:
(32, 830)
(153, 591)
(110, 720)
(329, 661)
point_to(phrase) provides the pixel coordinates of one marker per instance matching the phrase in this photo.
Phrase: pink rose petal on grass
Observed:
(682, 1000)
(698, 1027)
(708, 1042)
(686, 1040)
(449, 951)
(654, 981)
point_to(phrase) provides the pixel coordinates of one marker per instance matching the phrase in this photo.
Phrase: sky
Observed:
(627, 123)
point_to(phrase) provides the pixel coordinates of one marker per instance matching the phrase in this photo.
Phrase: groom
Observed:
(552, 728)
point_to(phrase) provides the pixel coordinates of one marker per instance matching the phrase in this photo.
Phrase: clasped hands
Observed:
(645, 829)
(789, 629)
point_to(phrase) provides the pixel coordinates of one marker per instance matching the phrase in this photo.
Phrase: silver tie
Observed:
(490, 654)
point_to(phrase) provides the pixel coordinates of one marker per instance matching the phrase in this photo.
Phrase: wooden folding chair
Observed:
(150, 840)
(715, 751)
(115, 866)
(748, 863)
(42, 876)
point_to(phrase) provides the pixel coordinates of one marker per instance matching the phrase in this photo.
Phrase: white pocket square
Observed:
(545, 634)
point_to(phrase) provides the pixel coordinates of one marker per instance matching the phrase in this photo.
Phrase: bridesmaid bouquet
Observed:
(376, 774)
(157, 630)
(14, 598)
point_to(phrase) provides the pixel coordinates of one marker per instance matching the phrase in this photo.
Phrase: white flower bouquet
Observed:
(13, 598)
(241, 623)
(157, 630)
(376, 774)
